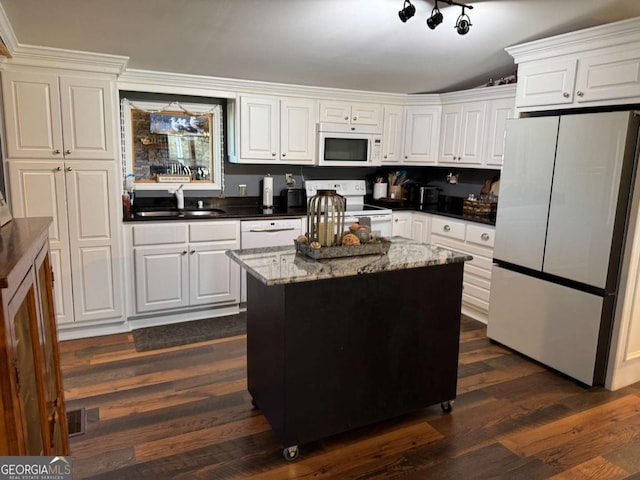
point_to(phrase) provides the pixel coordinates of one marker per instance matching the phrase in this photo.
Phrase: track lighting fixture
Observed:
(408, 11)
(436, 17)
(462, 23)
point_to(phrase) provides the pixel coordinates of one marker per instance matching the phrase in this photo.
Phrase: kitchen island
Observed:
(337, 344)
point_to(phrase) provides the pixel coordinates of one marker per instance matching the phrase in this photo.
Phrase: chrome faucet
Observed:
(179, 196)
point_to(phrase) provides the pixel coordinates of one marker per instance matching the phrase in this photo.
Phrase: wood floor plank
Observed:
(530, 441)
(595, 469)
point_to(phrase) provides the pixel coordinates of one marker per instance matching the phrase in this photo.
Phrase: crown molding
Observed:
(187, 84)
(482, 93)
(602, 36)
(6, 32)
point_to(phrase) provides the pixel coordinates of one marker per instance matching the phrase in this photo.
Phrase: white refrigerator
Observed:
(565, 191)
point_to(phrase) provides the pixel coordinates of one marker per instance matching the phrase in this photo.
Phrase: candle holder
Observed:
(325, 218)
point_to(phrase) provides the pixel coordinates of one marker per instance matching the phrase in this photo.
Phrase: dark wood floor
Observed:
(184, 413)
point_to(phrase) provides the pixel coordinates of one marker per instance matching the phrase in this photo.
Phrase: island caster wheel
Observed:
(447, 406)
(290, 453)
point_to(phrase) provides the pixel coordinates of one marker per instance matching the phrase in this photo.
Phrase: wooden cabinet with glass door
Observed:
(34, 420)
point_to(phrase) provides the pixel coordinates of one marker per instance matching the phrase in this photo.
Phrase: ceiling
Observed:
(351, 44)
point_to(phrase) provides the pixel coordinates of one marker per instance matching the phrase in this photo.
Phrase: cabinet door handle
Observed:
(284, 154)
(273, 154)
(565, 94)
(580, 93)
(484, 236)
(346, 118)
(59, 169)
(56, 152)
(184, 252)
(67, 152)
(355, 118)
(446, 228)
(192, 252)
(68, 169)
(385, 156)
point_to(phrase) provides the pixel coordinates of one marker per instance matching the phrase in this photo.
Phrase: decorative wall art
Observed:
(173, 143)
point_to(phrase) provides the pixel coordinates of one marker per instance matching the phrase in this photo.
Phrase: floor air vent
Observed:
(75, 422)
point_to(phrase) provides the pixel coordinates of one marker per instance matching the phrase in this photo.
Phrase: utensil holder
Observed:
(395, 192)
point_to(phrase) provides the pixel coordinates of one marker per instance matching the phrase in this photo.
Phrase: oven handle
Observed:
(268, 230)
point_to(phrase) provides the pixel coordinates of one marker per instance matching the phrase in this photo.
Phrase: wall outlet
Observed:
(288, 178)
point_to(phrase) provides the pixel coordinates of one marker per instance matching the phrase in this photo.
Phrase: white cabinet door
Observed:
(546, 83)
(52, 117)
(420, 227)
(297, 131)
(214, 277)
(366, 114)
(606, 77)
(38, 190)
(422, 129)
(335, 112)
(32, 115)
(259, 128)
(87, 118)
(162, 277)
(499, 112)
(401, 224)
(350, 113)
(94, 243)
(392, 135)
(462, 133)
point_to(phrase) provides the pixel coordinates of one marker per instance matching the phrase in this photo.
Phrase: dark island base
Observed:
(327, 356)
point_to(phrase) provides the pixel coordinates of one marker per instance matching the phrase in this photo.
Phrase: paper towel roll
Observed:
(379, 190)
(267, 192)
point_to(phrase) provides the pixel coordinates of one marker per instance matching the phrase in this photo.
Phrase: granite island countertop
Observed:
(281, 265)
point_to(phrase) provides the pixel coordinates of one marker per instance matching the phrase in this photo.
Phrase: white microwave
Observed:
(341, 145)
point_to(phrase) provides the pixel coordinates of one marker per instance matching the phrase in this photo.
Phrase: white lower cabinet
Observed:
(183, 264)
(85, 234)
(421, 227)
(402, 224)
(476, 240)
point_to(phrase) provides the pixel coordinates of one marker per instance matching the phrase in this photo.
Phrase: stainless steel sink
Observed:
(204, 213)
(158, 213)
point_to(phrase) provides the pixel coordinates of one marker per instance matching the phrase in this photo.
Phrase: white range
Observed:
(354, 191)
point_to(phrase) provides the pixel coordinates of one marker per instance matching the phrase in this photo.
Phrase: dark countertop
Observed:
(249, 208)
(447, 206)
(244, 208)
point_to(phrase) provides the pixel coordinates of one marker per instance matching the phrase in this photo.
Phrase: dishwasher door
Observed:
(267, 233)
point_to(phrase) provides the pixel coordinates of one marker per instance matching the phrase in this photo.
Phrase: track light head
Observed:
(463, 23)
(435, 19)
(408, 11)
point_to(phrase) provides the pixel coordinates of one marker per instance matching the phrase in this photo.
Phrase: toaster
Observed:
(294, 199)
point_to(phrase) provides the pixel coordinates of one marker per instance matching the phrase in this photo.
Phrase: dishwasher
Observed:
(267, 233)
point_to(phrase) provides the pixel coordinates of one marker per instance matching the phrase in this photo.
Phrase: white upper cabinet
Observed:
(351, 113)
(592, 67)
(462, 133)
(392, 135)
(275, 130)
(498, 112)
(422, 128)
(58, 116)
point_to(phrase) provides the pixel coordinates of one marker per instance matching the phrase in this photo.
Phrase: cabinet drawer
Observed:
(159, 234)
(448, 228)
(213, 231)
(480, 235)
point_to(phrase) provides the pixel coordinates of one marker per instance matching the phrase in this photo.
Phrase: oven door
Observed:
(381, 224)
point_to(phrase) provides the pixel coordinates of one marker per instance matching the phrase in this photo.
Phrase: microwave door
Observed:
(345, 150)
